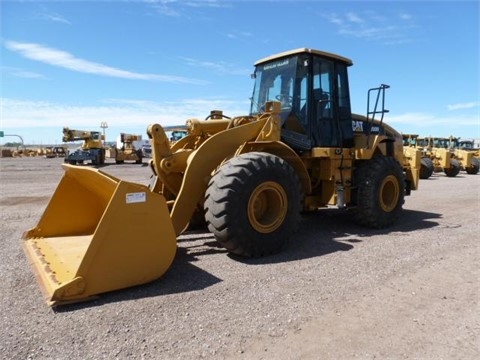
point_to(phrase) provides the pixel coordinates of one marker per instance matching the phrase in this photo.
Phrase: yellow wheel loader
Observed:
(468, 145)
(441, 156)
(467, 158)
(248, 178)
(411, 144)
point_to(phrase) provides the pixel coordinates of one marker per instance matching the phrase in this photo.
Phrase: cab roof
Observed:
(305, 51)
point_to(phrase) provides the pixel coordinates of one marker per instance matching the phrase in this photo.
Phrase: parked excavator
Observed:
(91, 150)
(249, 178)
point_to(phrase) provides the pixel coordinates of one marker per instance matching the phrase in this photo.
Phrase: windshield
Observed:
(274, 81)
(444, 143)
(466, 144)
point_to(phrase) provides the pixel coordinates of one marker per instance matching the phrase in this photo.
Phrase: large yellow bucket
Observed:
(99, 234)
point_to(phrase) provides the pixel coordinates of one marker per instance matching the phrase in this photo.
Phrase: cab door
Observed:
(331, 124)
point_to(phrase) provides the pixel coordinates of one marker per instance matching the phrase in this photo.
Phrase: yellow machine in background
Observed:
(468, 145)
(91, 150)
(467, 158)
(127, 151)
(411, 144)
(248, 178)
(441, 156)
(55, 151)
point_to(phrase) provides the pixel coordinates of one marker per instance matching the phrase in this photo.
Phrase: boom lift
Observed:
(248, 178)
(91, 150)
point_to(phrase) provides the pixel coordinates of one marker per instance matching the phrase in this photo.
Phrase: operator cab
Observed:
(312, 87)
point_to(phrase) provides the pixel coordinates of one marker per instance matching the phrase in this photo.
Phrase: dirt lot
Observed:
(338, 292)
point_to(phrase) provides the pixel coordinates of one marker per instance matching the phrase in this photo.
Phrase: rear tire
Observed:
(426, 169)
(379, 194)
(253, 204)
(474, 167)
(101, 161)
(454, 168)
(139, 157)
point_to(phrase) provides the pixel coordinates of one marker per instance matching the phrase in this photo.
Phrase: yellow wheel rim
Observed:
(389, 193)
(267, 207)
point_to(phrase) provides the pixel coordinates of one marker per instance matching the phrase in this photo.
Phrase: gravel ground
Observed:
(338, 292)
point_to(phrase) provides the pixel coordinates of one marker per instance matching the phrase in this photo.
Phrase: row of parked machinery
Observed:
(45, 151)
(95, 151)
(129, 147)
(450, 155)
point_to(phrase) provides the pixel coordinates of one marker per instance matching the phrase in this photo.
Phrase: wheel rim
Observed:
(267, 207)
(389, 193)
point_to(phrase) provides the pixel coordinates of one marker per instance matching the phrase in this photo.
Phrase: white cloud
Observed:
(68, 61)
(354, 18)
(405, 16)
(220, 67)
(55, 18)
(430, 120)
(239, 35)
(17, 72)
(176, 8)
(119, 112)
(372, 26)
(460, 106)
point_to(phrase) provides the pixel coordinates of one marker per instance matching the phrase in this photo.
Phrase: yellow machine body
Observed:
(128, 151)
(99, 234)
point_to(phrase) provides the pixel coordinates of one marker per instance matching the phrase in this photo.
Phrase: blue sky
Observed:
(132, 63)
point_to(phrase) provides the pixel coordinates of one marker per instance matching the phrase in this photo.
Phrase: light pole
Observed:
(104, 125)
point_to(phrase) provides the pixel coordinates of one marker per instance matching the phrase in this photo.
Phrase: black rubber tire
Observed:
(197, 221)
(139, 157)
(253, 203)
(474, 167)
(379, 193)
(426, 169)
(454, 168)
(101, 161)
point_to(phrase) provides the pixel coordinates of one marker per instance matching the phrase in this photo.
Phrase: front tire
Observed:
(379, 194)
(474, 167)
(427, 168)
(454, 168)
(253, 204)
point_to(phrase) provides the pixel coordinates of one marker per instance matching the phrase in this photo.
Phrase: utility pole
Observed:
(104, 126)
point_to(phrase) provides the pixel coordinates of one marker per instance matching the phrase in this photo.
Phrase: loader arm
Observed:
(195, 167)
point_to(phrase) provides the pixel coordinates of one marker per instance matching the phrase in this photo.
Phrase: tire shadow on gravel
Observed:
(331, 230)
(320, 233)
